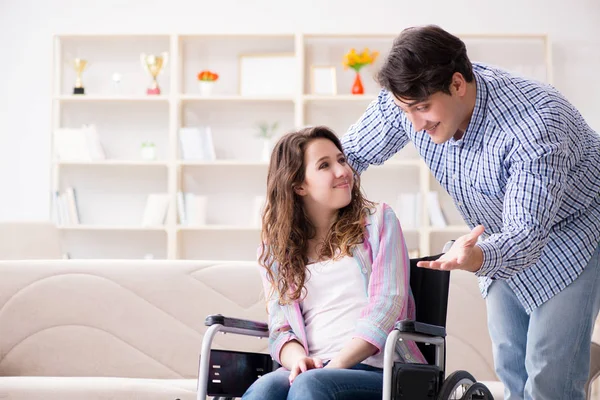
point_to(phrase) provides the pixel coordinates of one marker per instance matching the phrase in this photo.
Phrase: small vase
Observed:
(148, 152)
(357, 87)
(205, 87)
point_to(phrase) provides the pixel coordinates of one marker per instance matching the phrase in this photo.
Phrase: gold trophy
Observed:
(79, 66)
(154, 64)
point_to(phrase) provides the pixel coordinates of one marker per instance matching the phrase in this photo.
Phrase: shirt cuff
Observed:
(281, 341)
(356, 164)
(371, 333)
(370, 340)
(492, 260)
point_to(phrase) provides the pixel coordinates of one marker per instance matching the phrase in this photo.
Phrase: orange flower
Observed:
(207, 75)
(356, 61)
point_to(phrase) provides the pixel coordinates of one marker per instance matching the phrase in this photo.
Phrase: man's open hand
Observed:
(464, 254)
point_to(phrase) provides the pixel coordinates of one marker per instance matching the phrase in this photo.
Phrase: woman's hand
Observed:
(303, 365)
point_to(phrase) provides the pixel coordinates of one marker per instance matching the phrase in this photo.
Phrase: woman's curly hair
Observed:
(286, 229)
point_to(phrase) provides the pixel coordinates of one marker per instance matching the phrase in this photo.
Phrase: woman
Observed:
(335, 272)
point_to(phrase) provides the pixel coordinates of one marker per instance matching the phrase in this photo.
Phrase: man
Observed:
(523, 168)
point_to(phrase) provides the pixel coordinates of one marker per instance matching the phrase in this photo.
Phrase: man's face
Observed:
(441, 115)
(438, 115)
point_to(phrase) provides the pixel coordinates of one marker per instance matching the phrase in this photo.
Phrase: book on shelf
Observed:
(78, 144)
(191, 209)
(408, 210)
(436, 216)
(156, 208)
(197, 144)
(181, 208)
(65, 209)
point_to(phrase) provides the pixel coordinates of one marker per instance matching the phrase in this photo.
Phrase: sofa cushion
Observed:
(101, 329)
(133, 319)
(62, 388)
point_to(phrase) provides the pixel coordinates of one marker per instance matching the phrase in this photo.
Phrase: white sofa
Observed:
(86, 329)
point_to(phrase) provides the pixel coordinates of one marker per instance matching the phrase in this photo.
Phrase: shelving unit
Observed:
(111, 193)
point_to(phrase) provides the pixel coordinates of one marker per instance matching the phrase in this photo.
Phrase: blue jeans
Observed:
(361, 382)
(545, 355)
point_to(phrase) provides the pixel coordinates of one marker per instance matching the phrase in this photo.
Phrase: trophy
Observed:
(79, 65)
(154, 64)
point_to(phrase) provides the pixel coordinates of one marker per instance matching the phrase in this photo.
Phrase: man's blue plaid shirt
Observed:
(527, 168)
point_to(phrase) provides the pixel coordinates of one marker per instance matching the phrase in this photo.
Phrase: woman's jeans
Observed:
(545, 355)
(361, 382)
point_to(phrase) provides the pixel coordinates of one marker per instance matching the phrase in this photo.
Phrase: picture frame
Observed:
(323, 80)
(270, 74)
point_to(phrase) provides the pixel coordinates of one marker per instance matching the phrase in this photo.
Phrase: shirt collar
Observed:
(473, 135)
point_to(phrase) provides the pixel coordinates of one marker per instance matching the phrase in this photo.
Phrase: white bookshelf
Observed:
(107, 228)
(235, 98)
(111, 192)
(110, 98)
(114, 163)
(218, 228)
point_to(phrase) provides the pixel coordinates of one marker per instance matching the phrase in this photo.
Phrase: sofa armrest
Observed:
(238, 325)
(411, 326)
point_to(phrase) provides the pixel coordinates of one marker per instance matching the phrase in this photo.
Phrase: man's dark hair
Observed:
(422, 61)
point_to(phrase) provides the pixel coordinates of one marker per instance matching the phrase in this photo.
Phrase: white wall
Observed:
(27, 26)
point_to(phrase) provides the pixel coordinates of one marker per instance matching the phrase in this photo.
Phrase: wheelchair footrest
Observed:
(415, 381)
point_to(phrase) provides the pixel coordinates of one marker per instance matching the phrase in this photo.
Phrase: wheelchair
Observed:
(228, 374)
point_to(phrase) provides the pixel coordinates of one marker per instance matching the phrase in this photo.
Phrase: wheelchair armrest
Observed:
(238, 325)
(218, 323)
(411, 326)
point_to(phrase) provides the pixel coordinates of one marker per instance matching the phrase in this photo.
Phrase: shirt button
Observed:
(364, 270)
(454, 177)
(460, 204)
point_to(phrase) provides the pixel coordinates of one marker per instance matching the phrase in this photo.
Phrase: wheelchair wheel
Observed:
(461, 385)
(478, 391)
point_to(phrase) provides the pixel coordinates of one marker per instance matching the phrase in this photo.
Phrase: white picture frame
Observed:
(323, 80)
(268, 74)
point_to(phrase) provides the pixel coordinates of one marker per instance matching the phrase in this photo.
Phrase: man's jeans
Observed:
(545, 355)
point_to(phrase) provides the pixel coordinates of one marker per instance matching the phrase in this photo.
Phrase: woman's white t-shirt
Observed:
(335, 296)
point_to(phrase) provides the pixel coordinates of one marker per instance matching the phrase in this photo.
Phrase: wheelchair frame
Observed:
(403, 330)
(413, 330)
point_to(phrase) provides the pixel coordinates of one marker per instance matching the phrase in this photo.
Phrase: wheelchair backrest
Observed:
(430, 290)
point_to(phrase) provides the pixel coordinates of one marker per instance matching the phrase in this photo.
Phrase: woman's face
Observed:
(328, 180)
